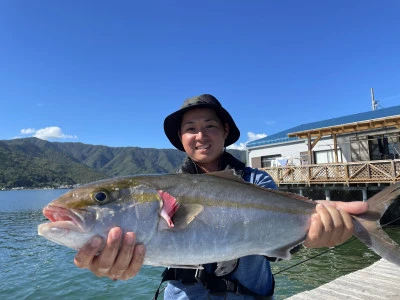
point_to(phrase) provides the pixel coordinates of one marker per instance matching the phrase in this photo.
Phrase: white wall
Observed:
(290, 150)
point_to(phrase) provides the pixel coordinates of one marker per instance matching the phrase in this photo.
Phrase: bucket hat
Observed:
(172, 123)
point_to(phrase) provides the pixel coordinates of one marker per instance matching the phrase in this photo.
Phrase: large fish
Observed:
(187, 220)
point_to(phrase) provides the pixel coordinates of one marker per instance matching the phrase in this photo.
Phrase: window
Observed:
(304, 158)
(383, 147)
(268, 161)
(394, 147)
(327, 156)
(359, 148)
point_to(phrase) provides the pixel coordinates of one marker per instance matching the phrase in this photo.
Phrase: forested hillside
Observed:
(35, 163)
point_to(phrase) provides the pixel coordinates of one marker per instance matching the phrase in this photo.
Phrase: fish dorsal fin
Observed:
(185, 214)
(227, 174)
(290, 195)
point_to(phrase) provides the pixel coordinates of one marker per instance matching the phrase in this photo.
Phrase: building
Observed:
(359, 148)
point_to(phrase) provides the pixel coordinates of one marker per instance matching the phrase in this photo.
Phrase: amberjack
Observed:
(186, 220)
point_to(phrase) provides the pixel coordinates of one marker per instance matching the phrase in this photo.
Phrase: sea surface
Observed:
(32, 267)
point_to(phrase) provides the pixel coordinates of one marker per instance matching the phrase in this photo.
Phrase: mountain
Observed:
(35, 163)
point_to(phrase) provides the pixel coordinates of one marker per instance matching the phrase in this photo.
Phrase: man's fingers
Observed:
(136, 262)
(354, 207)
(334, 225)
(313, 239)
(102, 264)
(330, 226)
(124, 256)
(115, 261)
(348, 227)
(83, 259)
(315, 227)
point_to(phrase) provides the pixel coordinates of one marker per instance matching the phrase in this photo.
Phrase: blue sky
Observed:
(109, 72)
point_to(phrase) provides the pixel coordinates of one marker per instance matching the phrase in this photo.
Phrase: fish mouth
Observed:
(65, 218)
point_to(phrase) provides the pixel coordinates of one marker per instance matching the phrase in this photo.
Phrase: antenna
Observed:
(374, 102)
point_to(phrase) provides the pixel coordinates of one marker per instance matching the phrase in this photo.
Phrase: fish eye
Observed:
(100, 196)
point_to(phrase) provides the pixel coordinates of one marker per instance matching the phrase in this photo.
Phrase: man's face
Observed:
(203, 135)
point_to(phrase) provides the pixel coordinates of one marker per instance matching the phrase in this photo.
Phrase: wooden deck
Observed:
(365, 172)
(381, 280)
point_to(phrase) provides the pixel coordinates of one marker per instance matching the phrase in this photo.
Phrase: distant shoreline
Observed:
(39, 189)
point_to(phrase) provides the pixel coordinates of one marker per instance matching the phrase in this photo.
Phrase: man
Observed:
(203, 129)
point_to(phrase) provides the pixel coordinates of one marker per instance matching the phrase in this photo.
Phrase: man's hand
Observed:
(332, 224)
(114, 261)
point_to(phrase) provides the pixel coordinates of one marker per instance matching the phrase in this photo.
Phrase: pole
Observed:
(374, 102)
(373, 99)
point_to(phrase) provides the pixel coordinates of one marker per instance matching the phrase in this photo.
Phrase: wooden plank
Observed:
(381, 280)
(349, 127)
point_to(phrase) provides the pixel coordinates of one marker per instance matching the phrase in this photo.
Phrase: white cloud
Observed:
(27, 131)
(251, 136)
(255, 136)
(52, 132)
(240, 146)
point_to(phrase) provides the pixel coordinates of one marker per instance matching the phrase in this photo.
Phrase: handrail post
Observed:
(393, 169)
(346, 173)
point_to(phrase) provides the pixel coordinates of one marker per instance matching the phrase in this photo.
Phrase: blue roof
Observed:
(281, 137)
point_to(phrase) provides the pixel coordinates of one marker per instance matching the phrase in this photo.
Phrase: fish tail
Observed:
(369, 230)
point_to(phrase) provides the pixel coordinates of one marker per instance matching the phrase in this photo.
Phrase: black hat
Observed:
(172, 123)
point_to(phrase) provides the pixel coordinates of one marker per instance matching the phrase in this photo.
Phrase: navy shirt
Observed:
(253, 271)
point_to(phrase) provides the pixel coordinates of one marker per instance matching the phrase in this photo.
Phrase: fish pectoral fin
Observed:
(199, 267)
(169, 207)
(185, 214)
(282, 253)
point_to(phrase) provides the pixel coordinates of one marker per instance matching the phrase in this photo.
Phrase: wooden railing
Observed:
(377, 171)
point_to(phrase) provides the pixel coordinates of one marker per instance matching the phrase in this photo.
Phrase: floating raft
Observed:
(381, 280)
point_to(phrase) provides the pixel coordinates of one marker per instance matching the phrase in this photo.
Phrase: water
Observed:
(32, 267)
